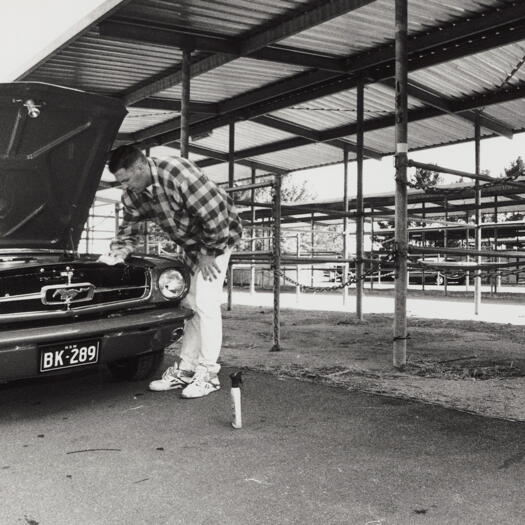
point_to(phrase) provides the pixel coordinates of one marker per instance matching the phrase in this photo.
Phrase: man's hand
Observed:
(209, 267)
(111, 259)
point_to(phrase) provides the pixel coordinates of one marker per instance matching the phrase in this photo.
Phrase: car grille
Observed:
(59, 289)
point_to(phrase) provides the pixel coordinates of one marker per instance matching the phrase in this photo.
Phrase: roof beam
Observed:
(224, 157)
(313, 135)
(433, 98)
(124, 29)
(136, 30)
(310, 15)
(376, 65)
(485, 99)
(415, 115)
(167, 104)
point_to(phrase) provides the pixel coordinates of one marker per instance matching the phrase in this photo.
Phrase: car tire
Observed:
(440, 280)
(136, 368)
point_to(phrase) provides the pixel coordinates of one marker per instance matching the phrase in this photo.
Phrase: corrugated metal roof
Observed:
(105, 66)
(234, 78)
(251, 86)
(218, 17)
(373, 25)
(247, 135)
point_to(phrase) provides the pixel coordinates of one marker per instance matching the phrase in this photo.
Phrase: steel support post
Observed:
(401, 201)
(467, 235)
(345, 223)
(146, 237)
(87, 229)
(276, 264)
(185, 104)
(312, 251)
(231, 180)
(477, 281)
(445, 244)
(252, 242)
(423, 242)
(117, 218)
(298, 268)
(497, 281)
(372, 245)
(359, 285)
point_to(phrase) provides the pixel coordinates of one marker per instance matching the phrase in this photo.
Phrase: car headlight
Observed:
(172, 284)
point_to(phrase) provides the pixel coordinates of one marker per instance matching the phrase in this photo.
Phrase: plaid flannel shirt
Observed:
(195, 213)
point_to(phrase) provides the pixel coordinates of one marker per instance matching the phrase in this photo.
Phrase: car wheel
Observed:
(136, 368)
(440, 279)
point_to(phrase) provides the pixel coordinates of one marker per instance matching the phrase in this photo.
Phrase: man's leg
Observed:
(180, 375)
(207, 307)
(191, 342)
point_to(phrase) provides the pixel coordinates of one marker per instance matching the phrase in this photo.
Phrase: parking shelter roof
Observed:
(286, 72)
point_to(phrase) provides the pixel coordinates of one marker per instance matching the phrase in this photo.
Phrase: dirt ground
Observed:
(471, 366)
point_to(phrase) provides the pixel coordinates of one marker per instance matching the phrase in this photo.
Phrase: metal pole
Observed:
(445, 244)
(359, 285)
(312, 251)
(372, 245)
(477, 281)
(87, 228)
(117, 217)
(401, 204)
(423, 242)
(497, 283)
(345, 222)
(467, 234)
(276, 264)
(146, 237)
(185, 104)
(297, 268)
(231, 180)
(252, 242)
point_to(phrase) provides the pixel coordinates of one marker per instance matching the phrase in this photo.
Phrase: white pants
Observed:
(202, 340)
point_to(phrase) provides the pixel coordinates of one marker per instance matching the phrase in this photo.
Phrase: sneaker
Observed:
(201, 385)
(172, 378)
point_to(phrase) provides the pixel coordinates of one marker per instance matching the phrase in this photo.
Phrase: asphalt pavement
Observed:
(89, 450)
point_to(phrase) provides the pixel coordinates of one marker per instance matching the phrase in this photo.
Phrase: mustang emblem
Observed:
(67, 294)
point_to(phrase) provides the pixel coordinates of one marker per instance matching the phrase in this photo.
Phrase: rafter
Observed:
(224, 157)
(433, 98)
(168, 104)
(125, 29)
(313, 135)
(282, 27)
(425, 50)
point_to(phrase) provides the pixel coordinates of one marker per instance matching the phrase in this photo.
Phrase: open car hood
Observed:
(54, 143)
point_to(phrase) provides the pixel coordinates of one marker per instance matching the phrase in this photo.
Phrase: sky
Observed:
(378, 176)
(31, 29)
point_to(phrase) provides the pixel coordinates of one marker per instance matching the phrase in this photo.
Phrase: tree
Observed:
(516, 168)
(424, 178)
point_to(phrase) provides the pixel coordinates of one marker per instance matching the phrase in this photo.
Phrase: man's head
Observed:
(130, 167)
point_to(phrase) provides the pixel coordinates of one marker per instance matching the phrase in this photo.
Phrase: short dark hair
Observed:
(124, 157)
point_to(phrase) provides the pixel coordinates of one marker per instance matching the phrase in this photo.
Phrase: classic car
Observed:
(60, 310)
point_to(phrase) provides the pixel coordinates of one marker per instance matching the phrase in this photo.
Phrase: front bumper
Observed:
(120, 336)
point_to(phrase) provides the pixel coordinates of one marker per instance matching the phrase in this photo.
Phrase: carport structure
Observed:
(270, 87)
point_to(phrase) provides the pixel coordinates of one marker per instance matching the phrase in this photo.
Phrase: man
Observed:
(199, 217)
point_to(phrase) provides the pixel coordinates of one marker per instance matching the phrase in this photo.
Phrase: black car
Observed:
(60, 310)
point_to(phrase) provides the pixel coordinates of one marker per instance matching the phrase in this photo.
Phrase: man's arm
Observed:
(129, 230)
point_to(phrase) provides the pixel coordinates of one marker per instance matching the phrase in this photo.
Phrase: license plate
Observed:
(68, 355)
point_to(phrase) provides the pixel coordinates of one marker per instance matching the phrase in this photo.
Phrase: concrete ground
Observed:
(459, 305)
(88, 450)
